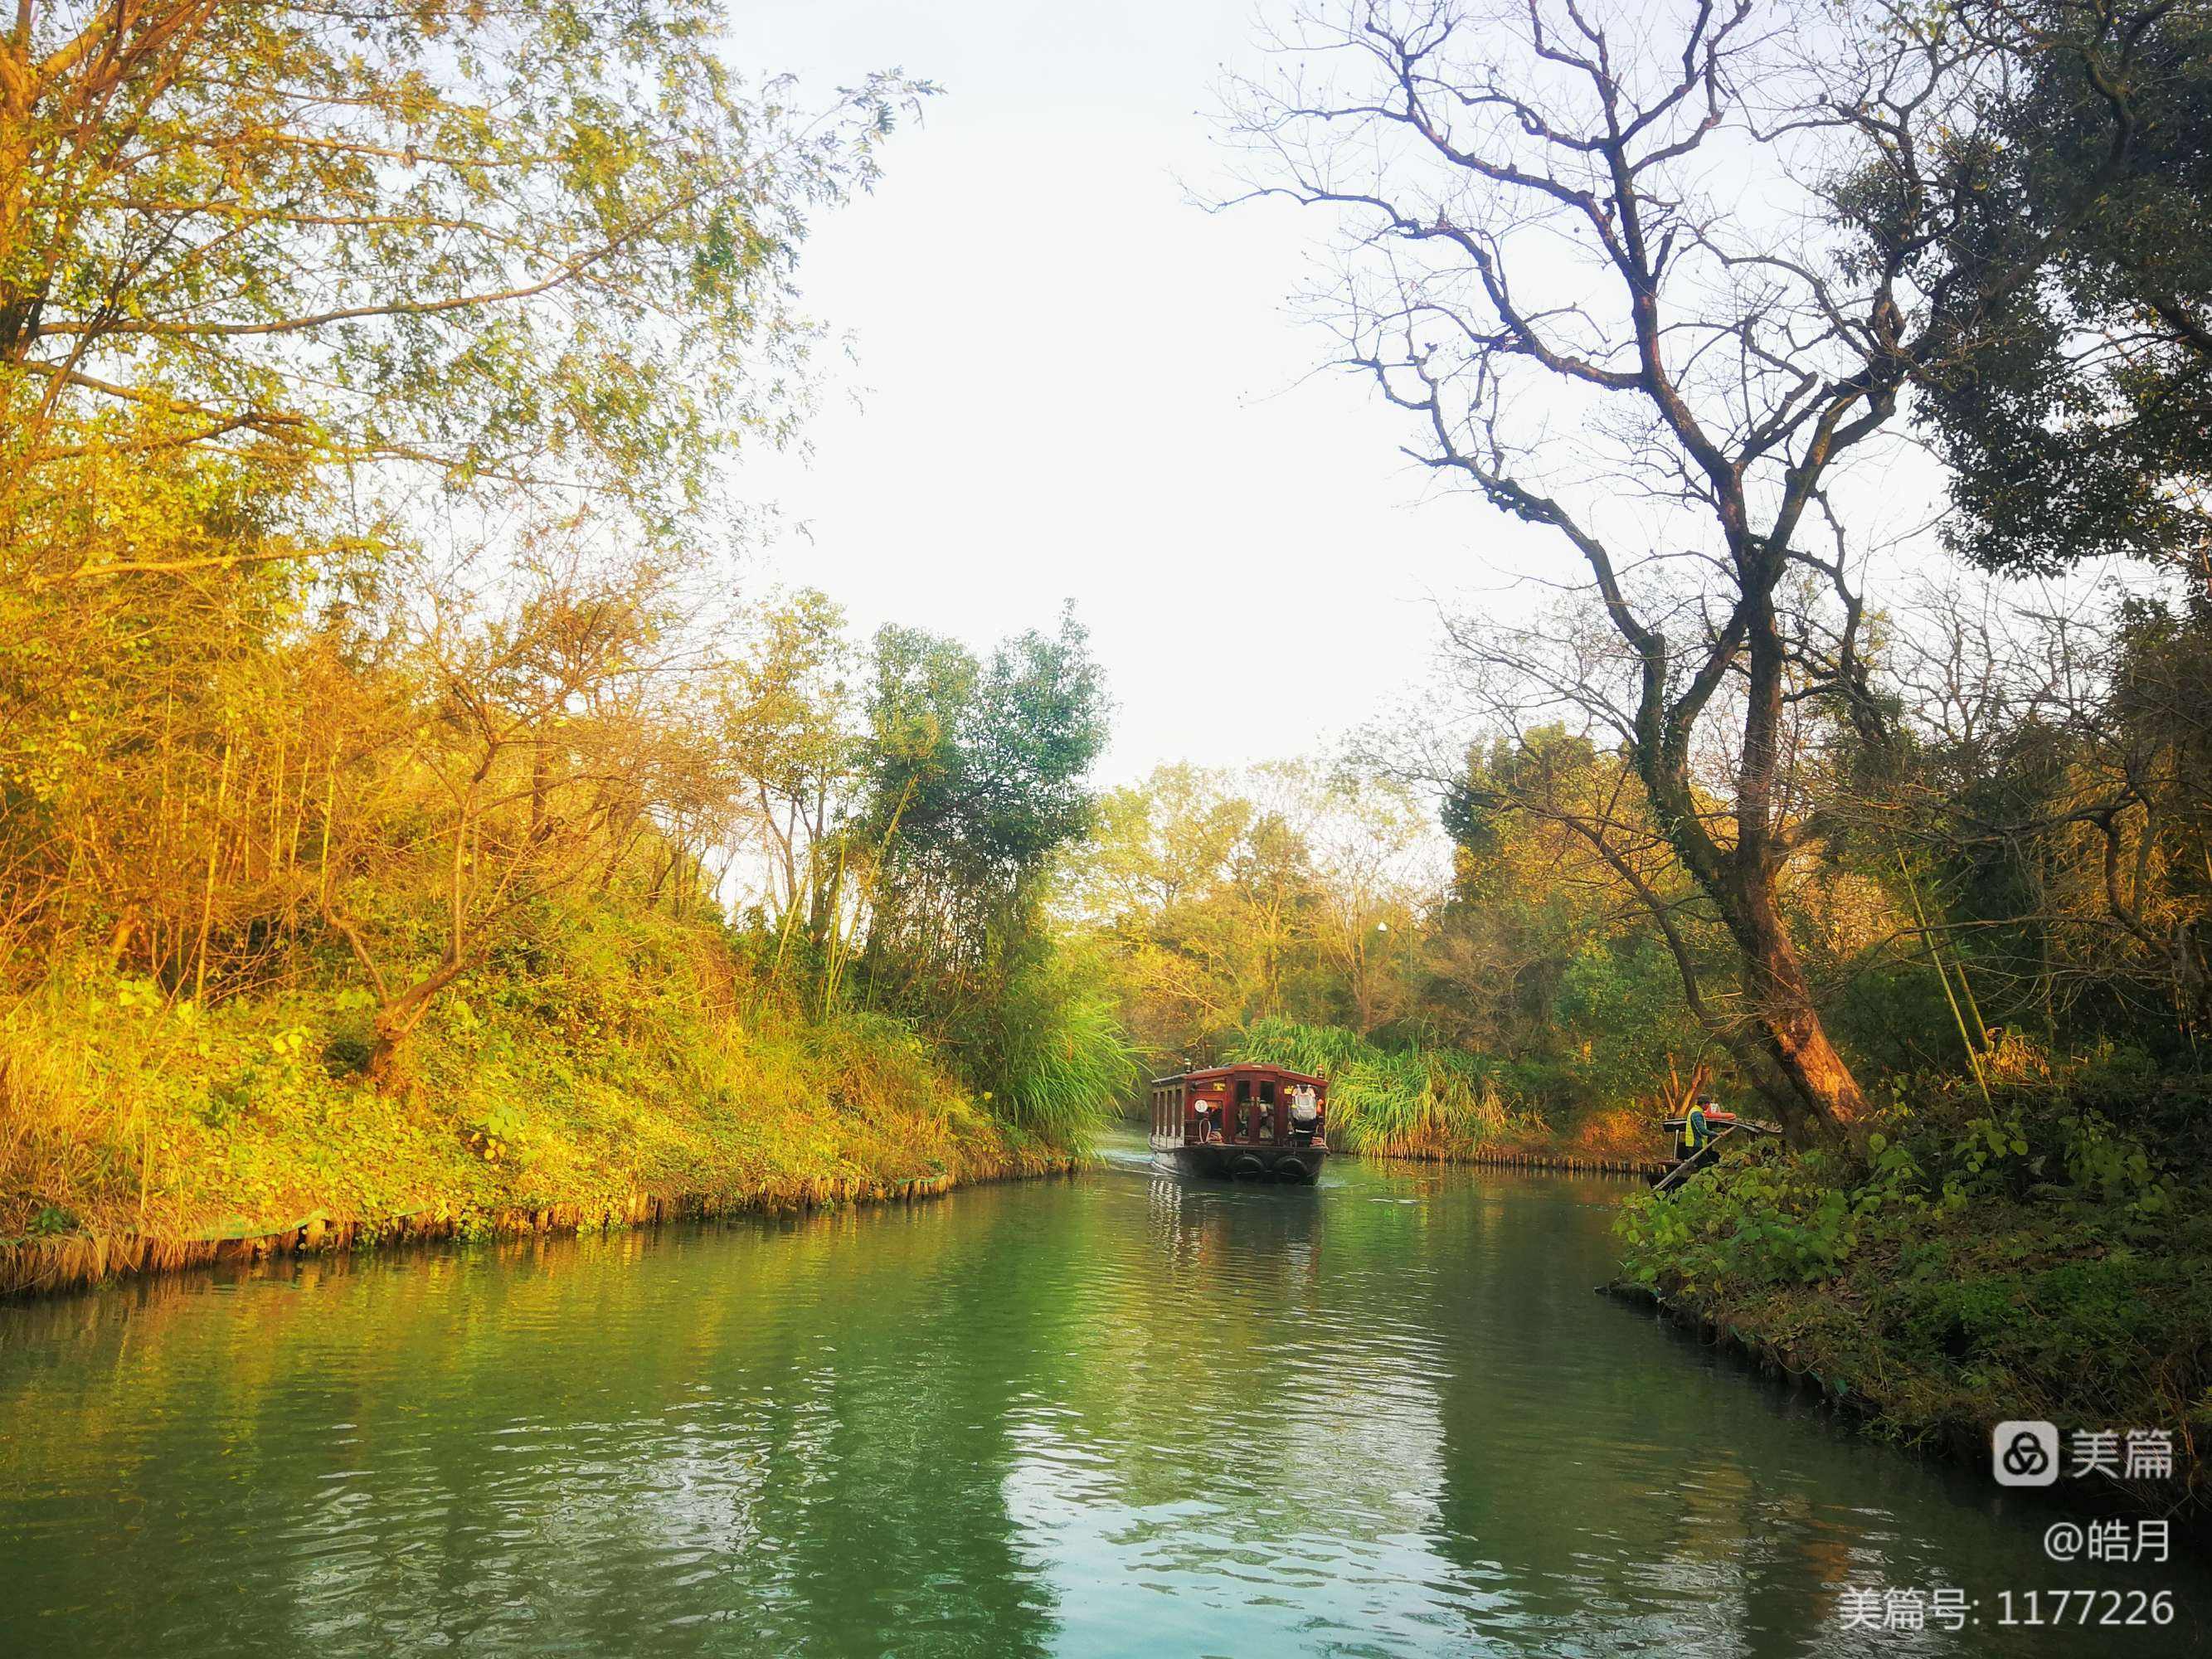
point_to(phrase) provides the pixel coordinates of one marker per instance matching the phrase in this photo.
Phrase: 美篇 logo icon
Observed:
(2024, 1453)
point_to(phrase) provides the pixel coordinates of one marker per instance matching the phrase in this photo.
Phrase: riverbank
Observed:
(2023, 1261)
(1600, 1140)
(1565, 1154)
(1442, 1106)
(632, 1075)
(36, 1266)
(1560, 1157)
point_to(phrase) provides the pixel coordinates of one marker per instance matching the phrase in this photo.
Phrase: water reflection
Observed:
(1131, 1415)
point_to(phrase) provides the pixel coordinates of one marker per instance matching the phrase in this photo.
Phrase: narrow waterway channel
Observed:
(1119, 1415)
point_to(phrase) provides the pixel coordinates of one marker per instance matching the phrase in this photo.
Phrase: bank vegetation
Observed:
(405, 820)
(1840, 375)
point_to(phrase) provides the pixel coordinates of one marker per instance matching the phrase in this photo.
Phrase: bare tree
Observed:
(2060, 737)
(1646, 278)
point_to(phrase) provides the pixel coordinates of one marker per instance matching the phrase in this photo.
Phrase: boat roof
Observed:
(1211, 1073)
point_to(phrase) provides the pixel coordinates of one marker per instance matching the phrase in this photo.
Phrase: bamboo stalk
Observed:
(1935, 961)
(790, 916)
(207, 891)
(836, 933)
(1967, 988)
(276, 810)
(329, 802)
(299, 816)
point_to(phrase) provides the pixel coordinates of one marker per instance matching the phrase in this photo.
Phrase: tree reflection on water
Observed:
(1131, 1412)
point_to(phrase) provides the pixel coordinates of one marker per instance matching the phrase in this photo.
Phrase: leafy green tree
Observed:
(536, 245)
(790, 713)
(2076, 416)
(976, 775)
(2077, 423)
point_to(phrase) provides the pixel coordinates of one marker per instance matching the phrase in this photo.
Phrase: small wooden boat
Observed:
(1241, 1122)
(1719, 1126)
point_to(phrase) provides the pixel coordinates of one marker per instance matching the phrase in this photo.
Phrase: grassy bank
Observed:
(2022, 1259)
(1446, 1106)
(603, 1069)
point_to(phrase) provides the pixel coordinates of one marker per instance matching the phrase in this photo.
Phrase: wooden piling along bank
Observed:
(1562, 1163)
(39, 1267)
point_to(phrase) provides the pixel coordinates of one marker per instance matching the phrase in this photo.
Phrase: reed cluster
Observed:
(1403, 1102)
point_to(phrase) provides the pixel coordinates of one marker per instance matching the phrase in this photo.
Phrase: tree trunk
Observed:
(397, 1020)
(1822, 1094)
(1811, 1088)
(384, 1056)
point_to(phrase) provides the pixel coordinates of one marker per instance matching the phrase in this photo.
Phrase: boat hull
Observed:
(1230, 1161)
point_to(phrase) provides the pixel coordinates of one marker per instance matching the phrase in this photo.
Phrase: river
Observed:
(1123, 1415)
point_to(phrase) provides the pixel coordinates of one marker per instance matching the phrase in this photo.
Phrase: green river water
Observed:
(1123, 1415)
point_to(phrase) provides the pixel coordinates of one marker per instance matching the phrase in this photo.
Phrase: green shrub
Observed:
(1761, 1216)
(1765, 1215)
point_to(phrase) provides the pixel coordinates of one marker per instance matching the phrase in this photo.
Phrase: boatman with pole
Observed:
(1695, 1131)
(1698, 1144)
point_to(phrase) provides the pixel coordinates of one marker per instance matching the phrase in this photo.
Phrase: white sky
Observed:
(1077, 385)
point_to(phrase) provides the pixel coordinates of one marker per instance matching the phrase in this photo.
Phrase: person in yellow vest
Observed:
(1697, 1132)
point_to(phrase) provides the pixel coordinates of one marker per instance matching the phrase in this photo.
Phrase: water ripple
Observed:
(1128, 1414)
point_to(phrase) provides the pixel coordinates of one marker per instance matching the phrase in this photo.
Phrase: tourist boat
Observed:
(1241, 1122)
